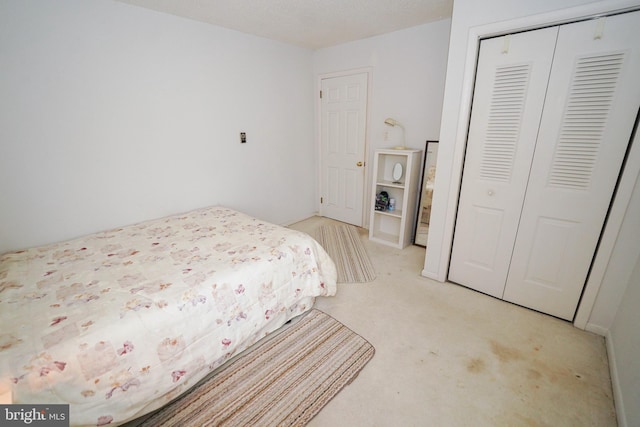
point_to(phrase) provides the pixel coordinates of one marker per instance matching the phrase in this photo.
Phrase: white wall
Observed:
(469, 14)
(615, 312)
(471, 17)
(408, 69)
(620, 267)
(111, 114)
(624, 347)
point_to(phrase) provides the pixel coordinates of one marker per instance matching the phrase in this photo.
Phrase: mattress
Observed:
(119, 323)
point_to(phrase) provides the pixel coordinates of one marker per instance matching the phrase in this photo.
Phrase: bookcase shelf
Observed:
(395, 227)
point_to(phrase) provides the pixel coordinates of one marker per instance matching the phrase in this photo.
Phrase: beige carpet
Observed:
(284, 381)
(342, 243)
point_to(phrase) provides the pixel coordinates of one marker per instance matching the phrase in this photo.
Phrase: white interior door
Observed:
(512, 76)
(592, 103)
(343, 139)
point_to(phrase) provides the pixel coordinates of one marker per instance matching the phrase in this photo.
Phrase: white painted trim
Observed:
(596, 329)
(430, 275)
(367, 179)
(294, 221)
(615, 381)
(610, 235)
(473, 43)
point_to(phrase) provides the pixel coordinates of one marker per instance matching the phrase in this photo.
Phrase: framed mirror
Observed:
(426, 194)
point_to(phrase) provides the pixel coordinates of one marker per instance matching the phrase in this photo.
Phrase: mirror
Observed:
(397, 173)
(426, 194)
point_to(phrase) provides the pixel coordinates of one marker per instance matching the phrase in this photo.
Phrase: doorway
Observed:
(540, 171)
(343, 124)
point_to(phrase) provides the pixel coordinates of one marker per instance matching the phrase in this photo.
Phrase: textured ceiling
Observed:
(312, 24)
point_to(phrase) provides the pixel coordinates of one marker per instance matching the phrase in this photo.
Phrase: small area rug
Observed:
(284, 381)
(342, 243)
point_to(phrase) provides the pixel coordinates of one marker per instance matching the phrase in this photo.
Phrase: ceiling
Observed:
(311, 24)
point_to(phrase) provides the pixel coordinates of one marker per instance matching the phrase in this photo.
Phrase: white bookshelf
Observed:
(395, 227)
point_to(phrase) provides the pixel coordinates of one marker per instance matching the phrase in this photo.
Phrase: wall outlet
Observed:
(243, 137)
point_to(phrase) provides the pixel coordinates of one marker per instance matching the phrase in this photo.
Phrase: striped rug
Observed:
(283, 381)
(342, 243)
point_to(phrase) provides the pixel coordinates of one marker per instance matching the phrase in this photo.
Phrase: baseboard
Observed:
(430, 275)
(615, 381)
(293, 221)
(596, 329)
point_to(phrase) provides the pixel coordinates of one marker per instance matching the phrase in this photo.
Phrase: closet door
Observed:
(590, 111)
(511, 80)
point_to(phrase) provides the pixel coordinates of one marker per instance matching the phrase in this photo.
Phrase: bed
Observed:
(119, 323)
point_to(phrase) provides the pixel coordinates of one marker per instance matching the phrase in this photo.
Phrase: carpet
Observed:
(342, 243)
(283, 381)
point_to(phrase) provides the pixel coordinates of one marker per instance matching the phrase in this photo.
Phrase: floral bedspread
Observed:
(120, 322)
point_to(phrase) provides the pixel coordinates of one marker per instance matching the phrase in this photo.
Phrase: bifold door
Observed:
(512, 76)
(552, 116)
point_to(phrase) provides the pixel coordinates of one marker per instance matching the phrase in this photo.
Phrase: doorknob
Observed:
(359, 164)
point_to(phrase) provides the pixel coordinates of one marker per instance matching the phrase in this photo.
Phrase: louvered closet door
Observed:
(512, 75)
(591, 107)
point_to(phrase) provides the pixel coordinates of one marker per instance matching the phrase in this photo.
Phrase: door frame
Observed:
(367, 179)
(626, 181)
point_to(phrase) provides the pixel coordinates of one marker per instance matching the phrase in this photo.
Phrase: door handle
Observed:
(359, 164)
